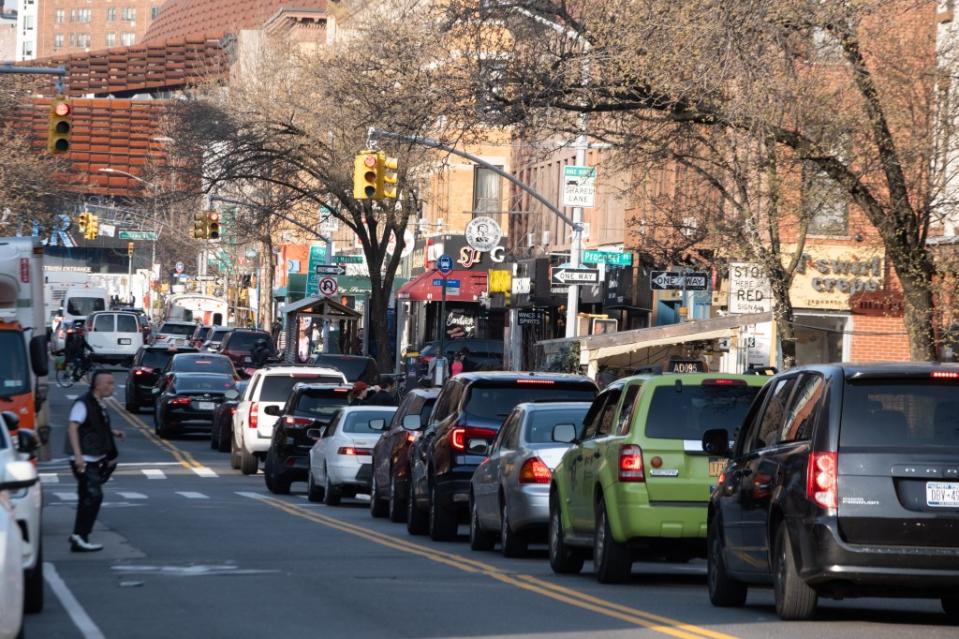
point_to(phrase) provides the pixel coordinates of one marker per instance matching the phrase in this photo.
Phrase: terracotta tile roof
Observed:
(186, 18)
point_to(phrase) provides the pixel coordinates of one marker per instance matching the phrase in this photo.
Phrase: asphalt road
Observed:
(194, 549)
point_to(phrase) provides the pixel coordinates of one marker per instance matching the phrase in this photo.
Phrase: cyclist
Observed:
(75, 350)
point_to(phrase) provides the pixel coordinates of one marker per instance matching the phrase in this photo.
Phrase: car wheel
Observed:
(249, 464)
(479, 538)
(396, 507)
(442, 519)
(724, 591)
(234, 455)
(276, 481)
(562, 559)
(226, 436)
(214, 437)
(417, 521)
(950, 606)
(611, 559)
(131, 403)
(331, 495)
(513, 544)
(795, 600)
(313, 492)
(378, 506)
(33, 585)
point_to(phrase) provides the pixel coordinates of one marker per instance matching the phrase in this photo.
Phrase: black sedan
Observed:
(194, 362)
(188, 400)
(222, 431)
(148, 365)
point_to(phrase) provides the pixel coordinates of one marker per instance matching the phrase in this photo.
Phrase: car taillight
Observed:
(631, 463)
(180, 401)
(822, 479)
(142, 370)
(411, 437)
(724, 382)
(233, 410)
(537, 382)
(254, 413)
(297, 421)
(534, 471)
(460, 435)
(350, 450)
(944, 374)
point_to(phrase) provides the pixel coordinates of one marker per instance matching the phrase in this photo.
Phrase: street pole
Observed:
(576, 244)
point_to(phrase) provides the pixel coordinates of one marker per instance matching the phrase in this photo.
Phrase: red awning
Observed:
(472, 284)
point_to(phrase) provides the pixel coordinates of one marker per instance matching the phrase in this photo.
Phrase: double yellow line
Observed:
(184, 458)
(651, 621)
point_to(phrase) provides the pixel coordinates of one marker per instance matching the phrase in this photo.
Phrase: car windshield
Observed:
(539, 426)
(277, 388)
(177, 329)
(320, 404)
(900, 414)
(203, 364)
(193, 383)
(245, 341)
(85, 305)
(495, 402)
(686, 411)
(359, 422)
(14, 372)
(352, 367)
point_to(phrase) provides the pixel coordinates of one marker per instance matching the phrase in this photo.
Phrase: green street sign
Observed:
(347, 259)
(147, 236)
(613, 258)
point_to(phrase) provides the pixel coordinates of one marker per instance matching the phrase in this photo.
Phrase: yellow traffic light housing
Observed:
(386, 188)
(199, 225)
(82, 221)
(93, 227)
(366, 175)
(60, 123)
(213, 225)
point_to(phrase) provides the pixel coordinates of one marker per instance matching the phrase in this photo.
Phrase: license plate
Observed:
(942, 494)
(124, 341)
(716, 467)
(205, 405)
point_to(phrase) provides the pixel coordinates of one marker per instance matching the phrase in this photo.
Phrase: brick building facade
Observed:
(75, 26)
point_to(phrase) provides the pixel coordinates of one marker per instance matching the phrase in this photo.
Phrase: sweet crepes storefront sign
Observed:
(827, 276)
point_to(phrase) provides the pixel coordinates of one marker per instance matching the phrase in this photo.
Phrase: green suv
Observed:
(636, 483)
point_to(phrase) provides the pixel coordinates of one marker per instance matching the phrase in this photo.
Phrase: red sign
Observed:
(25, 270)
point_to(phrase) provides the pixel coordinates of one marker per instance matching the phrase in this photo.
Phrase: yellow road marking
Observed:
(651, 621)
(186, 459)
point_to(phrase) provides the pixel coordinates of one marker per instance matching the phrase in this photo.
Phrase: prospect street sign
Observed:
(568, 275)
(348, 259)
(612, 258)
(671, 281)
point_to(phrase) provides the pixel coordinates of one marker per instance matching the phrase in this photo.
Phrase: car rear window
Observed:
(244, 341)
(201, 333)
(900, 413)
(277, 388)
(85, 305)
(320, 404)
(155, 358)
(192, 383)
(687, 411)
(127, 324)
(218, 334)
(359, 422)
(177, 329)
(207, 364)
(496, 401)
(539, 427)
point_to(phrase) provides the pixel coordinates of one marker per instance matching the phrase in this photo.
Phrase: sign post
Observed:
(445, 266)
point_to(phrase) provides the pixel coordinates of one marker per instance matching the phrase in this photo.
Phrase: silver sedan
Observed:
(509, 492)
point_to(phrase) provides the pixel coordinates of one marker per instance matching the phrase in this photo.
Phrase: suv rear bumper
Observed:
(836, 567)
(453, 490)
(633, 516)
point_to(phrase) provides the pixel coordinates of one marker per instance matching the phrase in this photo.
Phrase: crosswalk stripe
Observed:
(250, 495)
(66, 496)
(203, 471)
(154, 473)
(49, 478)
(191, 495)
(132, 495)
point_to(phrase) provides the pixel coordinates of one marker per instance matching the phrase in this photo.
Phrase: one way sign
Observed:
(329, 269)
(568, 275)
(672, 281)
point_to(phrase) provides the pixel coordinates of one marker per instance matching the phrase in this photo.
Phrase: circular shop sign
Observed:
(483, 233)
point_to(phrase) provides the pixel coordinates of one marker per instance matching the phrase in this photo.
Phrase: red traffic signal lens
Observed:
(370, 161)
(61, 109)
(214, 217)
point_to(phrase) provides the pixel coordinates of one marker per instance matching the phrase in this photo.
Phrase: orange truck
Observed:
(24, 361)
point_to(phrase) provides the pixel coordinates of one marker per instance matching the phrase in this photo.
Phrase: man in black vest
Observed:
(91, 444)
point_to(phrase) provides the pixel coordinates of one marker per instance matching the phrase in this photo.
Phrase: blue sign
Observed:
(449, 283)
(445, 264)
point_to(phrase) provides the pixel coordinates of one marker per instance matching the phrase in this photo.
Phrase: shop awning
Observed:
(427, 287)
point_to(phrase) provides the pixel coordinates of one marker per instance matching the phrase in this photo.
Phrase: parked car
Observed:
(16, 444)
(238, 345)
(174, 334)
(467, 415)
(309, 406)
(843, 482)
(215, 338)
(357, 368)
(391, 461)
(200, 335)
(340, 460)
(484, 354)
(187, 400)
(509, 492)
(636, 481)
(252, 426)
(222, 430)
(114, 336)
(145, 370)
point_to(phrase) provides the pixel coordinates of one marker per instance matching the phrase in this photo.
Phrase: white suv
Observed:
(252, 427)
(114, 336)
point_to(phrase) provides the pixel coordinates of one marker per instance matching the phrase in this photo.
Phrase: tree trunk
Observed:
(784, 316)
(267, 275)
(915, 270)
(379, 327)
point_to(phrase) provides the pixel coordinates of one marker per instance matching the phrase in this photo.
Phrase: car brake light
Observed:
(944, 374)
(254, 413)
(297, 421)
(460, 435)
(822, 479)
(233, 410)
(349, 450)
(539, 382)
(534, 471)
(411, 437)
(142, 370)
(724, 382)
(180, 401)
(631, 463)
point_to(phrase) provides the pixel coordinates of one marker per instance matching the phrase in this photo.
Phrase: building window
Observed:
(58, 41)
(129, 14)
(825, 203)
(84, 15)
(111, 14)
(154, 12)
(487, 192)
(28, 23)
(60, 16)
(111, 40)
(126, 39)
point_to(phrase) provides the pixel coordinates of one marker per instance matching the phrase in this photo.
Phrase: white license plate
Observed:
(205, 405)
(124, 341)
(942, 494)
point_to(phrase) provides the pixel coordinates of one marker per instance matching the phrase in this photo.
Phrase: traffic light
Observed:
(389, 175)
(366, 175)
(82, 221)
(93, 227)
(58, 135)
(213, 225)
(199, 225)
(130, 249)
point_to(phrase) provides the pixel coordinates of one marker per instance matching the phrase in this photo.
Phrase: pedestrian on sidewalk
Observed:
(90, 441)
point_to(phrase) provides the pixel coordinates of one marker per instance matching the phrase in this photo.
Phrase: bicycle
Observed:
(73, 371)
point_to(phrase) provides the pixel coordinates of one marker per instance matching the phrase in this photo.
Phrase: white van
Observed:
(78, 303)
(114, 336)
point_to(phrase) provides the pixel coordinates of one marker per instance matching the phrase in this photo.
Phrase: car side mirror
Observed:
(564, 433)
(232, 394)
(378, 424)
(315, 433)
(12, 420)
(18, 475)
(273, 411)
(27, 441)
(412, 422)
(716, 442)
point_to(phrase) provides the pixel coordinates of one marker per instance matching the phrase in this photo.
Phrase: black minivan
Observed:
(843, 482)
